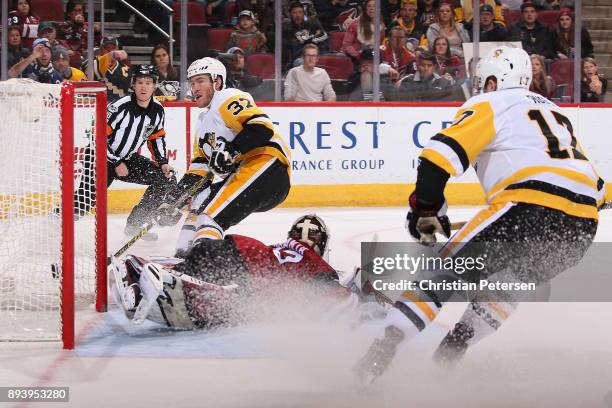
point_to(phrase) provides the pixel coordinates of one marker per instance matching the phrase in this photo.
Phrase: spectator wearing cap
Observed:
(535, 37)
(564, 37)
(22, 16)
(237, 76)
(112, 67)
(74, 29)
(260, 11)
(47, 30)
(246, 36)
(61, 64)
(425, 84)
(298, 32)
(464, 12)
(360, 33)
(407, 21)
(16, 51)
(395, 52)
(37, 66)
(310, 11)
(308, 82)
(491, 30)
(363, 80)
(445, 26)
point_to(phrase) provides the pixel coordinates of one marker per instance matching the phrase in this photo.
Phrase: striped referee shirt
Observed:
(128, 127)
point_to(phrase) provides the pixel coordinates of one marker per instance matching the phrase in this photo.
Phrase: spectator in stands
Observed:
(407, 20)
(491, 30)
(593, 86)
(47, 30)
(160, 59)
(426, 15)
(564, 37)
(360, 34)
(61, 63)
(395, 53)
(237, 77)
(554, 4)
(463, 11)
(445, 26)
(308, 82)
(112, 66)
(446, 63)
(246, 35)
(298, 32)
(260, 10)
(425, 84)
(362, 80)
(389, 10)
(310, 11)
(74, 29)
(16, 51)
(215, 10)
(328, 12)
(541, 82)
(533, 35)
(22, 15)
(37, 66)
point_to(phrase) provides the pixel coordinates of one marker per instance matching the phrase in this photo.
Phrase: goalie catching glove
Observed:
(223, 158)
(424, 220)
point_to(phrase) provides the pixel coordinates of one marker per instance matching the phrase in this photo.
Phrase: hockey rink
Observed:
(546, 355)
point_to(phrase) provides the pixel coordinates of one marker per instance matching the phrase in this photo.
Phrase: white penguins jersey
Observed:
(523, 150)
(229, 111)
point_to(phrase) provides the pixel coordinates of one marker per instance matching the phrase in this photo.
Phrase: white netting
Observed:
(30, 207)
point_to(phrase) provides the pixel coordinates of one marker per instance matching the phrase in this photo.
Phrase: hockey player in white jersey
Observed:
(542, 195)
(236, 141)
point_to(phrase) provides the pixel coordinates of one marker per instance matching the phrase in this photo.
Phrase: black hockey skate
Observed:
(379, 356)
(454, 345)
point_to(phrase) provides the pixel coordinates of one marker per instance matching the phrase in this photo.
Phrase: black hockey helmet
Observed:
(144, 70)
(311, 231)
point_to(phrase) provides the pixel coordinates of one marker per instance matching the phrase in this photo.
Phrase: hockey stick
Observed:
(605, 206)
(177, 205)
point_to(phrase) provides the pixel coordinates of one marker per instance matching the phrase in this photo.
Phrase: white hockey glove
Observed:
(223, 158)
(424, 223)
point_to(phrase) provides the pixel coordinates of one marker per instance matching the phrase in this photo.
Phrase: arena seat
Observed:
(261, 65)
(338, 67)
(562, 71)
(218, 37)
(48, 10)
(195, 12)
(335, 40)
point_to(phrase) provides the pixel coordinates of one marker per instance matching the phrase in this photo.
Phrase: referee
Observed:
(132, 121)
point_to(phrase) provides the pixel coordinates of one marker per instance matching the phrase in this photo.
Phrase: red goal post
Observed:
(52, 208)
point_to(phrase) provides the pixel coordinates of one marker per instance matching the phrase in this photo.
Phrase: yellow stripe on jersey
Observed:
(532, 171)
(439, 160)
(547, 200)
(246, 174)
(239, 109)
(473, 130)
(421, 304)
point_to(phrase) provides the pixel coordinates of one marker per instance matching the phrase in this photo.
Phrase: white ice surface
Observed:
(546, 355)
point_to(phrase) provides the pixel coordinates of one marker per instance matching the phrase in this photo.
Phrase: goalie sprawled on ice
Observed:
(201, 290)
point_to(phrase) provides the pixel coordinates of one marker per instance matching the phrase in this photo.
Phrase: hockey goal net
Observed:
(52, 252)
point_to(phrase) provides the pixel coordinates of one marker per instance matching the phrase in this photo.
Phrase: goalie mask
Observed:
(311, 231)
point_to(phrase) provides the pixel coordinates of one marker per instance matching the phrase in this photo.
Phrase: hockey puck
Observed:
(55, 270)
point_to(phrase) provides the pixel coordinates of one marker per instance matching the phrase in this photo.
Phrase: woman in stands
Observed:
(360, 33)
(16, 50)
(593, 86)
(564, 37)
(541, 83)
(426, 12)
(168, 84)
(445, 26)
(21, 15)
(446, 62)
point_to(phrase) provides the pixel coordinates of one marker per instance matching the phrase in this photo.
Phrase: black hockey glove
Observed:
(424, 220)
(223, 158)
(167, 214)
